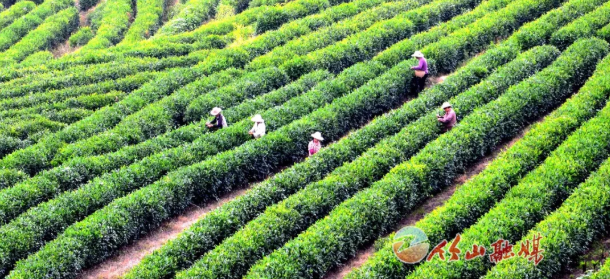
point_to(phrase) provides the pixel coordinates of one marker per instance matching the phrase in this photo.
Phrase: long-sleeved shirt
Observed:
(449, 119)
(314, 147)
(219, 121)
(258, 130)
(422, 66)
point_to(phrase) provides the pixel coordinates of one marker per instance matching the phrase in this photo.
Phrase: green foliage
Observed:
(479, 194)
(374, 210)
(150, 48)
(382, 34)
(538, 32)
(191, 15)
(37, 58)
(14, 12)
(223, 59)
(585, 26)
(287, 152)
(281, 222)
(260, 45)
(498, 25)
(85, 5)
(332, 34)
(95, 17)
(257, 3)
(78, 204)
(212, 229)
(583, 217)
(100, 146)
(147, 20)
(26, 126)
(162, 116)
(113, 22)
(10, 177)
(89, 74)
(584, 205)
(81, 37)
(126, 84)
(604, 33)
(542, 188)
(228, 8)
(250, 16)
(243, 158)
(21, 26)
(604, 271)
(270, 19)
(33, 160)
(54, 30)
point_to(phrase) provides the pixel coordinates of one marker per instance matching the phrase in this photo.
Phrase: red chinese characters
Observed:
(438, 250)
(500, 250)
(453, 250)
(477, 251)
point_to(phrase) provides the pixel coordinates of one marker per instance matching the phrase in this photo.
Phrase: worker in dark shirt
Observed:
(219, 121)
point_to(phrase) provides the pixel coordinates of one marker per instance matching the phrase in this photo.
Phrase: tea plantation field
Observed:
(108, 168)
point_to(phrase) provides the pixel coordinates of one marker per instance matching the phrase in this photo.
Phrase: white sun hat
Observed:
(446, 105)
(317, 136)
(257, 118)
(418, 54)
(215, 111)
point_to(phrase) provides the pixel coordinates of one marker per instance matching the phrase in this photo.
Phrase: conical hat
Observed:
(257, 118)
(317, 136)
(215, 111)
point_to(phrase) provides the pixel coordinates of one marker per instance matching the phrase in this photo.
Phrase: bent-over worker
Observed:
(219, 120)
(258, 130)
(449, 119)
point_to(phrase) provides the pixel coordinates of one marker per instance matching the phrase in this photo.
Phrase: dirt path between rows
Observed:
(129, 256)
(439, 199)
(599, 252)
(65, 48)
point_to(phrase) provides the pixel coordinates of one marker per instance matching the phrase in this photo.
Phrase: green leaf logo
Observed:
(410, 245)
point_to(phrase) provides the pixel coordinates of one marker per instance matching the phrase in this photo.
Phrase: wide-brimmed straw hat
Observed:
(418, 54)
(317, 136)
(446, 105)
(215, 111)
(257, 118)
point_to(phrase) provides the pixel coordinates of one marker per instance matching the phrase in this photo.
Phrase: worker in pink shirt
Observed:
(315, 144)
(421, 72)
(449, 119)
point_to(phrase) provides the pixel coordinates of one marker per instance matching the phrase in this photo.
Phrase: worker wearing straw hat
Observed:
(421, 71)
(315, 145)
(449, 119)
(259, 127)
(219, 120)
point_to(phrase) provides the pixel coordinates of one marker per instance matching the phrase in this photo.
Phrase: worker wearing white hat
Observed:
(421, 71)
(219, 120)
(449, 119)
(259, 127)
(315, 145)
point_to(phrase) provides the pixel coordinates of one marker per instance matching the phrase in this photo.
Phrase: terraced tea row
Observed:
(266, 137)
(373, 210)
(477, 196)
(90, 165)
